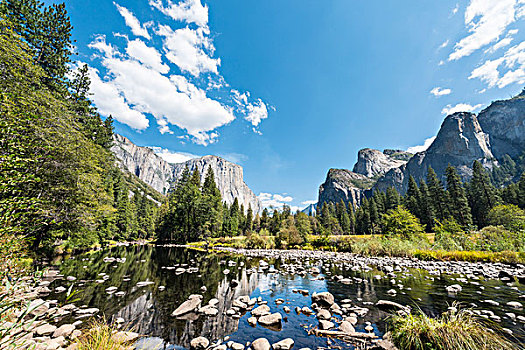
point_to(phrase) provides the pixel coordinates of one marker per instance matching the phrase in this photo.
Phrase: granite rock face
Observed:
(459, 142)
(345, 185)
(143, 162)
(161, 175)
(504, 121)
(463, 138)
(372, 163)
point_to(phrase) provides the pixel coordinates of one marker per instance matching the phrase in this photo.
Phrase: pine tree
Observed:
(521, 191)
(249, 220)
(264, 219)
(482, 195)
(392, 198)
(438, 195)
(412, 197)
(211, 205)
(425, 208)
(458, 202)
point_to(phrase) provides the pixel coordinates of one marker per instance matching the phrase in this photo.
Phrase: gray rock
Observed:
(346, 327)
(261, 344)
(125, 337)
(45, 329)
(371, 162)
(271, 319)
(161, 175)
(324, 299)
(323, 314)
(199, 343)
(285, 344)
(326, 325)
(64, 331)
(188, 306)
(261, 311)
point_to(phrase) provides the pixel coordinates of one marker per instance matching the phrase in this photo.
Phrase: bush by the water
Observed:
(458, 330)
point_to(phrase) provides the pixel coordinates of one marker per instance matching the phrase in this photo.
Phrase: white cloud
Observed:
(132, 22)
(254, 112)
(445, 44)
(276, 201)
(172, 100)
(460, 107)
(190, 11)
(437, 91)
(188, 49)
(420, 148)
(309, 202)
(486, 20)
(237, 158)
(493, 72)
(137, 81)
(110, 101)
(173, 157)
(455, 9)
(149, 56)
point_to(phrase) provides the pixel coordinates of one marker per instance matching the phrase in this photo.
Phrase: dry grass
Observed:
(100, 336)
(459, 330)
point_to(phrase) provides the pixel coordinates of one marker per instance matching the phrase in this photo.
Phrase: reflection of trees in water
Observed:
(148, 310)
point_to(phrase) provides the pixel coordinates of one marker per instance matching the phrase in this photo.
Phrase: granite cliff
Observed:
(161, 175)
(496, 132)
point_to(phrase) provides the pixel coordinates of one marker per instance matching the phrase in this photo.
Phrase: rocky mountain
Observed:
(497, 131)
(310, 209)
(345, 185)
(161, 175)
(459, 142)
(372, 163)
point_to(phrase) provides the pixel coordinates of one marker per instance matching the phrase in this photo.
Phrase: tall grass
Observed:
(459, 330)
(99, 336)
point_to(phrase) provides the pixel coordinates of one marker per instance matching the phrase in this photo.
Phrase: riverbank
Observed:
(372, 245)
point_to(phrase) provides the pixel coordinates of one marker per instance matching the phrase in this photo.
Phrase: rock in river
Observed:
(261, 344)
(324, 299)
(199, 343)
(189, 305)
(285, 344)
(271, 320)
(261, 311)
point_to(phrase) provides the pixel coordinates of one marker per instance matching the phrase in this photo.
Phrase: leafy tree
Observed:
(400, 221)
(509, 216)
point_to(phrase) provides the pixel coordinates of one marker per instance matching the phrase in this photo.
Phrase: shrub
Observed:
(450, 236)
(453, 330)
(509, 216)
(498, 239)
(400, 221)
(259, 240)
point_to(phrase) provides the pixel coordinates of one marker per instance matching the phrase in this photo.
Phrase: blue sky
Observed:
(289, 89)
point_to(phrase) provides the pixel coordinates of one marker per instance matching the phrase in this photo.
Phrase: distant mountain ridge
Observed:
(491, 137)
(161, 175)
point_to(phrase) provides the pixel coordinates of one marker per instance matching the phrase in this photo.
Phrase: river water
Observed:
(147, 307)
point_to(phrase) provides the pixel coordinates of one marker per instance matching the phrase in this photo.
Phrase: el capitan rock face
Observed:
(161, 175)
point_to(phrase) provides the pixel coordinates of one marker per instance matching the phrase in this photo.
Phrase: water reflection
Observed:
(147, 308)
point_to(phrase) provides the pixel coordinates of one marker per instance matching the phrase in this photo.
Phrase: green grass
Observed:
(459, 330)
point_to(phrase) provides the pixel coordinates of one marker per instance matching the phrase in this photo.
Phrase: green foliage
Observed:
(509, 216)
(58, 182)
(458, 202)
(459, 330)
(259, 240)
(451, 236)
(482, 195)
(498, 239)
(401, 222)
